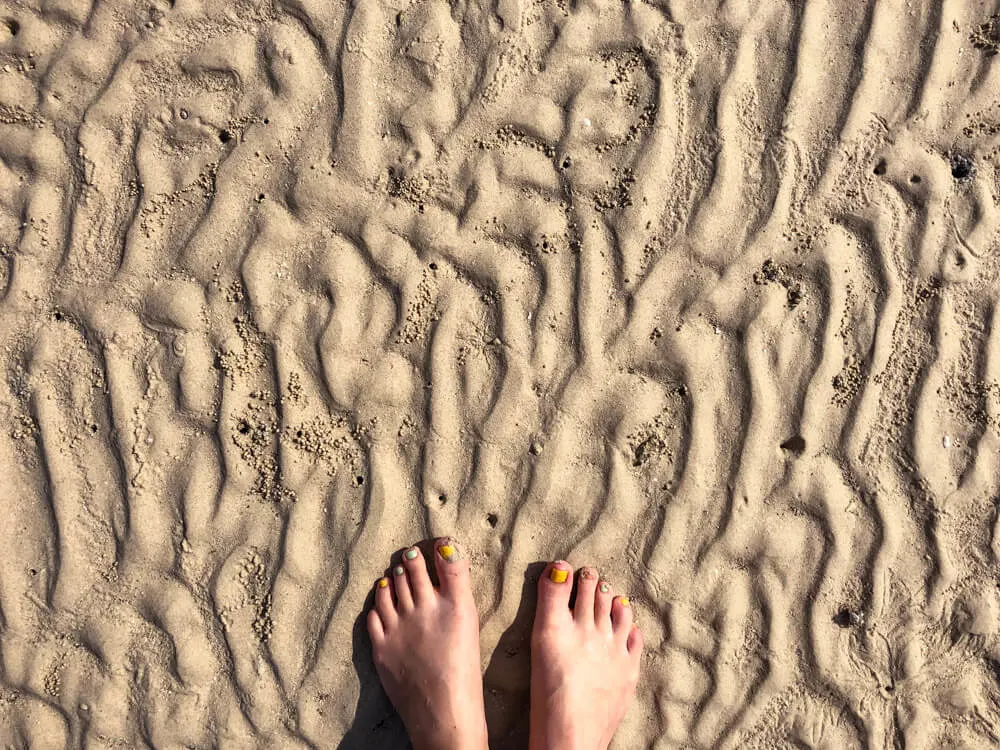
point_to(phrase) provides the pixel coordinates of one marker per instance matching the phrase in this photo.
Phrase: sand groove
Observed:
(705, 293)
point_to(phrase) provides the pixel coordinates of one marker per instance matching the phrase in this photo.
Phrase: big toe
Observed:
(452, 569)
(554, 588)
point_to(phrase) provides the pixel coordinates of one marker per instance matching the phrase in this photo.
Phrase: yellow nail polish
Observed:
(558, 575)
(625, 602)
(447, 551)
(383, 582)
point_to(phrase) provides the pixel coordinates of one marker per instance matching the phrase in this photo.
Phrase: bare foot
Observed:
(584, 662)
(425, 641)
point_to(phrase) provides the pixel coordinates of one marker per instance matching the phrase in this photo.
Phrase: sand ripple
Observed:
(703, 293)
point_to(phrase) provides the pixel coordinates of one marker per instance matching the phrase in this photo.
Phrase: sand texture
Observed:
(702, 293)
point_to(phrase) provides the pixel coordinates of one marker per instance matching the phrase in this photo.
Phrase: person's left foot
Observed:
(425, 642)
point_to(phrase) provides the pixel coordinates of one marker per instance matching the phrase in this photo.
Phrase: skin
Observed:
(425, 641)
(584, 662)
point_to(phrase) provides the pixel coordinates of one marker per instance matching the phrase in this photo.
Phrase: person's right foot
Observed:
(584, 662)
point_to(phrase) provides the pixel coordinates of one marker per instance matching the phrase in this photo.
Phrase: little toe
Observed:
(404, 597)
(452, 569)
(602, 604)
(383, 604)
(586, 586)
(554, 588)
(621, 617)
(421, 587)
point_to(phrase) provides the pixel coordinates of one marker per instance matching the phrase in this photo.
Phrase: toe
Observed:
(586, 586)
(416, 575)
(621, 617)
(553, 593)
(376, 630)
(634, 646)
(602, 604)
(383, 604)
(404, 597)
(634, 642)
(452, 569)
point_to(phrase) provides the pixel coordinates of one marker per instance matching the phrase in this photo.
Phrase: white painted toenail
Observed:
(605, 588)
(398, 570)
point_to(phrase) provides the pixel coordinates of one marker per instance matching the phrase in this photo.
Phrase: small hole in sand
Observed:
(359, 480)
(433, 266)
(492, 520)
(58, 315)
(794, 444)
(267, 121)
(915, 179)
(880, 167)
(243, 427)
(93, 429)
(12, 26)
(225, 136)
(961, 167)
(843, 619)
(442, 499)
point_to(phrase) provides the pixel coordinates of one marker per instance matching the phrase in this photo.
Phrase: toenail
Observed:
(605, 588)
(588, 573)
(383, 582)
(448, 551)
(624, 601)
(558, 575)
(398, 570)
(411, 554)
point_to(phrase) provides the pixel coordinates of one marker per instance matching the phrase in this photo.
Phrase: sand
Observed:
(704, 294)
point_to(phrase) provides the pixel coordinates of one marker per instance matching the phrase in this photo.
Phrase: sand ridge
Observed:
(701, 293)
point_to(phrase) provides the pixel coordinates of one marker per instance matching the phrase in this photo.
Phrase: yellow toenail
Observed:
(383, 582)
(447, 551)
(624, 601)
(558, 575)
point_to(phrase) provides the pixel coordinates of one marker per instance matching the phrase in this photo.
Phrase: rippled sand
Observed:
(702, 293)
